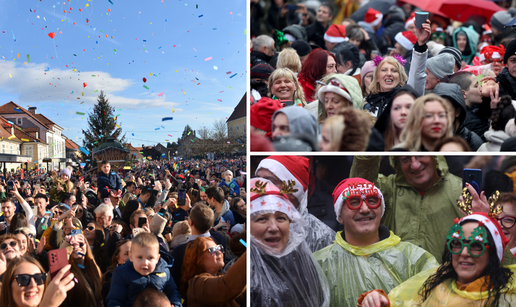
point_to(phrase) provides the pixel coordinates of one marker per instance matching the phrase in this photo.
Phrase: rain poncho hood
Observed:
(300, 121)
(352, 87)
(472, 36)
(291, 277)
(353, 270)
(423, 220)
(447, 293)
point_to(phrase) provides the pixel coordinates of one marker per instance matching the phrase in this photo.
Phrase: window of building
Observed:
(11, 148)
(19, 121)
(28, 151)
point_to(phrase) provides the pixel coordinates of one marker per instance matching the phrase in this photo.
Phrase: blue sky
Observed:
(174, 44)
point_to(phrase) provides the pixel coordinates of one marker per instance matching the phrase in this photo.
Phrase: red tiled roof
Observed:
(18, 132)
(240, 110)
(9, 108)
(69, 144)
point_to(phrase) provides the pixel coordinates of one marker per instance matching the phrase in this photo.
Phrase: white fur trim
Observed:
(274, 203)
(481, 57)
(333, 39)
(496, 55)
(409, 22)
(283, 174)
(492, 229)
(510, 128)
(333, 89)
(290, 37)
(340, 201)
(403, 41)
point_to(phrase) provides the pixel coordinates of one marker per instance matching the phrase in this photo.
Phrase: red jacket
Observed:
(308, 89)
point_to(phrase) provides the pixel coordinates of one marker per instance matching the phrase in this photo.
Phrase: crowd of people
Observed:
(404, 232)
(164, 233)
(324, 78)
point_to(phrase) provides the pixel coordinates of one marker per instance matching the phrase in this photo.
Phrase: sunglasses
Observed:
(23, 280)
(4, 245)
(90, 228)
(215, 249)
(59, 212)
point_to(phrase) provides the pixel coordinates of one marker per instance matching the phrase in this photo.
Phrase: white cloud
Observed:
(32, 83)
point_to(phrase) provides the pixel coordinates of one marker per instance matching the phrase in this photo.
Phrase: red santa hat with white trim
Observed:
(336, 34)
(354, 186)
(270, 199)
(373, 17)
(490, 52)
(289, 168)
(406, 39)
(494, 228)
(410, 20)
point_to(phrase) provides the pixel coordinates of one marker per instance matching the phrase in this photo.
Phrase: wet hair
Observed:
(498, 276)
(503, 112)
(345, 52)
(453, 139)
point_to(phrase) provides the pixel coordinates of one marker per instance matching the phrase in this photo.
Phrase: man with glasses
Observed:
(366, 250)
(507, 218)
(420, 199)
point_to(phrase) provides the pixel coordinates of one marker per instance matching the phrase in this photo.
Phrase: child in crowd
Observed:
(108, 181)
(144, 269)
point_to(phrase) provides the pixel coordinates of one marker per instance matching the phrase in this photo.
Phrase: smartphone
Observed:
(142, 221)
(57, 259)
(291, 7)
(473, 177)
(181, 197)
(10, 183)
(76, 232)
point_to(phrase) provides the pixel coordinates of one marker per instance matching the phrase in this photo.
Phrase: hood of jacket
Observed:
(299, 120)
(384, 118)
(395, 15)
(352, 87)
(453, 93)
(441, 165)
(297, 31)
(507, 82)
(496, 137)
(225, 208)
(472, 36)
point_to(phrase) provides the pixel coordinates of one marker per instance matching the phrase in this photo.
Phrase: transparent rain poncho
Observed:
(353, 270)
(291, 277)
(447, 294)
(318, 234)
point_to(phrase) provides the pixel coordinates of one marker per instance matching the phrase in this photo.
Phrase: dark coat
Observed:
(394, 24)
(507, 84)
(127, 283)
(315, 33)
(111, 181)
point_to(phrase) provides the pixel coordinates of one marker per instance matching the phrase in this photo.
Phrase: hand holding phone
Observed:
(473, 177)
(57, 259)
(142, 221)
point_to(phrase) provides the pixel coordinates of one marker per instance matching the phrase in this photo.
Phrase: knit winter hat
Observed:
(457, 55)
(262, 71)
(336, 34)
(373, 17)
(270, 199)
(345, 86)
(354, 187)
(501, 18)
(410, 20)
(441, 65)
(261, 114)
(511, 50)
(289, 168)
(492, 225)
(302, 48)
(367, 68)
(67, 172)
(406, 39)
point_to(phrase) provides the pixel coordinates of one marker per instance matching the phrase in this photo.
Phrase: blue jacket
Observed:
(112, 181)
(127, 283)
(233, 187)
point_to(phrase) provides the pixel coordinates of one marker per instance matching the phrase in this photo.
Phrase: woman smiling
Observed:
(283, 86)
(283, 270)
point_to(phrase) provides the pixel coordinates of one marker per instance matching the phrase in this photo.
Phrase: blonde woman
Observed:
(283, 86)
(347, 131)
(388, 75)
(429, 121)
(288, 58)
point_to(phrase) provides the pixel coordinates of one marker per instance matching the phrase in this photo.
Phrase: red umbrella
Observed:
(431, 6)
(461, 10)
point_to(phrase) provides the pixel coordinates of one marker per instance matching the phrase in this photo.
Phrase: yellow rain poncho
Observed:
(353, 270)
(446, 294)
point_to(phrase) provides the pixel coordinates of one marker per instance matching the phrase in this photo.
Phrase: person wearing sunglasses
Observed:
(26, 284)
(94, 234)
(359, 206)
(203, 285)
(471, 273)
(283, 269)
(9, 250)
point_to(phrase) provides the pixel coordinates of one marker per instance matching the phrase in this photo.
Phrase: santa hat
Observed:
(492, 225)
(487, 29)
(406, 39)
(492, 52)
(261, 114)
(353, 186)
(373, 17)
(336, 34)
(270, 199)
(289, 168)
(410, 20)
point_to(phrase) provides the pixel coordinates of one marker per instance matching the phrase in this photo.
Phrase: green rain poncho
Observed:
(420, 220)
(353, 270)
(446, 294)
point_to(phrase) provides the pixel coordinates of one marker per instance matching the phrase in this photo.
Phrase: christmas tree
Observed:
(102, 124)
